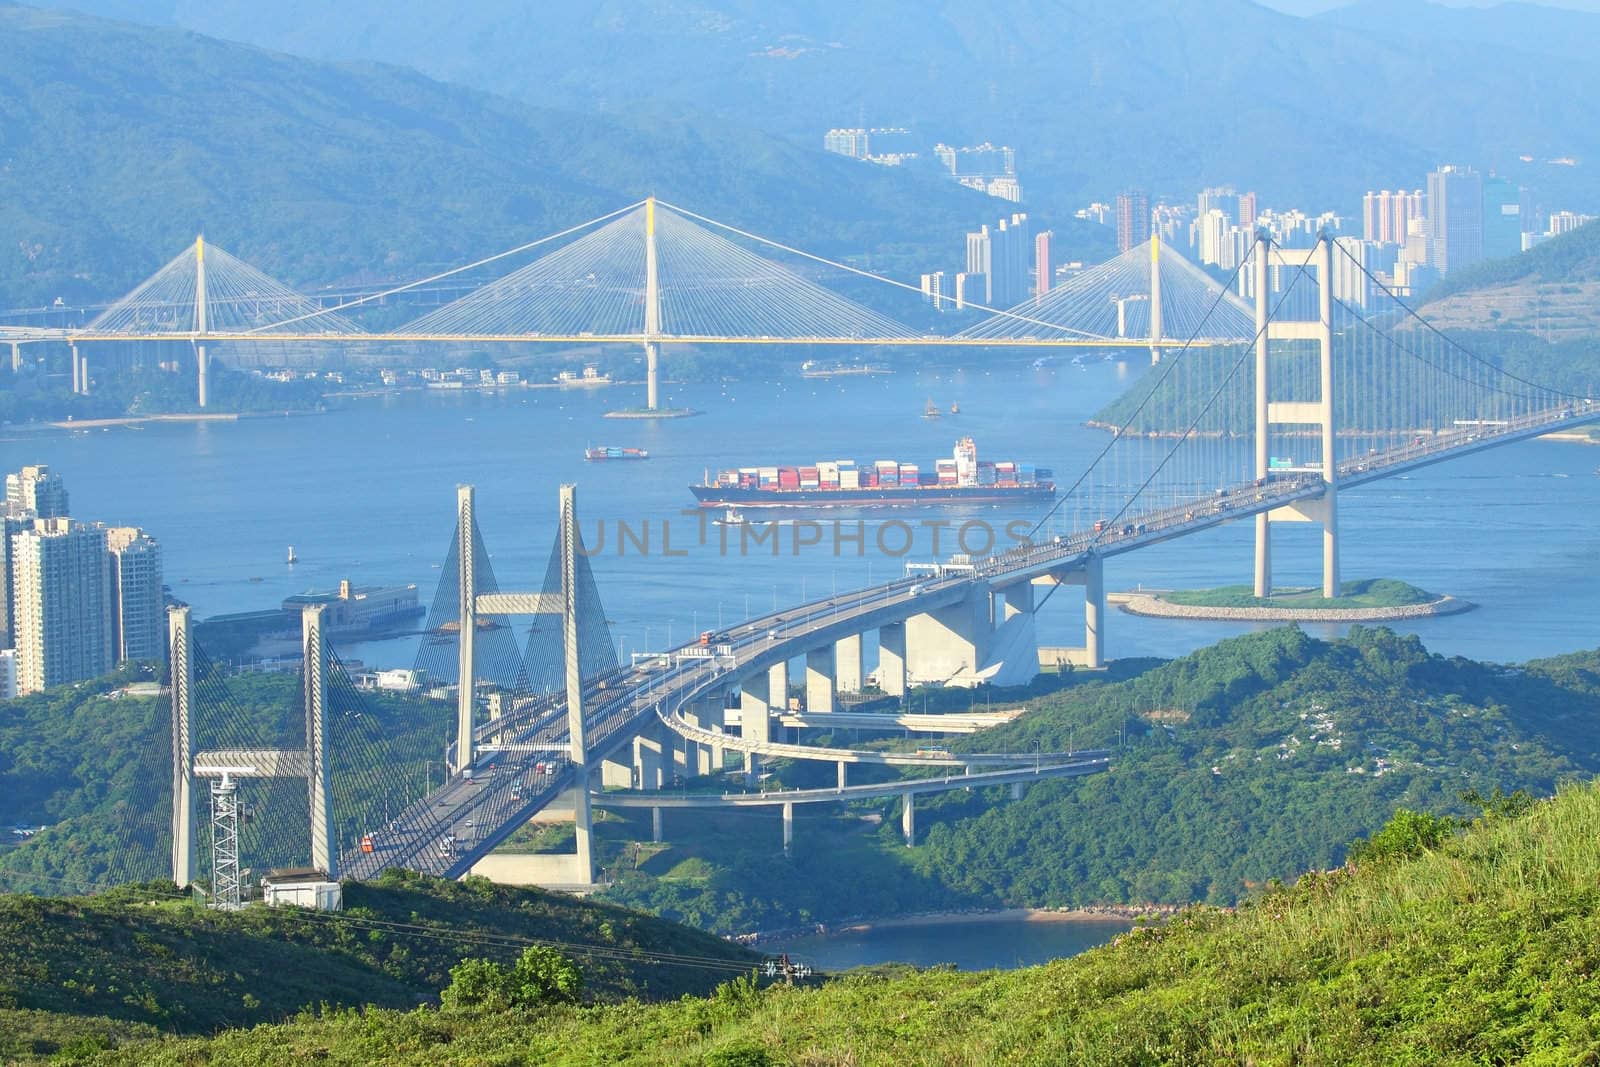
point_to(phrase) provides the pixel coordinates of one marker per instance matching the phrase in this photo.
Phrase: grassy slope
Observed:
(1482, 950)
(139, 956)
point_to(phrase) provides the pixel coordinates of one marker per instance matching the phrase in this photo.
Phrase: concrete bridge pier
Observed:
(848, 671)
(788, 826)
(946, 645)
(758, 697)
(820, 680)
(655, 825)
(892, 659)
(908, 819)
(1016, 790)
(842, 766)
(1092, 655)
(647, 761)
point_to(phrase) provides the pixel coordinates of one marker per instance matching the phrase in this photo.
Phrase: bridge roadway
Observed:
(506, 791)
(782, 750)
(1089, 763)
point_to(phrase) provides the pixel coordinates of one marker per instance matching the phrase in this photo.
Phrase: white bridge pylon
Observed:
(649, 274)
(1150, 293)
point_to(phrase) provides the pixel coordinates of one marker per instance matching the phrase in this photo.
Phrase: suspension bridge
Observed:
(1269, 428)
(647, 275)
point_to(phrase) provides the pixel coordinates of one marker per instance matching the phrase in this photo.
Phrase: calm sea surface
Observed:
(367, 493)
(970, 945)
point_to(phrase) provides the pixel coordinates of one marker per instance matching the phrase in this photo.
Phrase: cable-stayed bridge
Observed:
(648, 275)
(1267, 430)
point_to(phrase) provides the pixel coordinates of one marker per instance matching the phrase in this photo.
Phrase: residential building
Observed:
(847, 142)
(138, 609)
(61, 577)
(1133, 219)
(35, 489)
(1565, 222)
(1011, 256)
(8, 673)
(933, 289)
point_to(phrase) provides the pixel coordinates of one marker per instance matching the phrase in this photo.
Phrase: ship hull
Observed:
(720, 496)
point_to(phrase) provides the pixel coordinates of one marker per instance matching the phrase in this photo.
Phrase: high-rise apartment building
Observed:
(980, 257)
(1455, 218)
(12, 521)
(1386, 216)
(1010, 262)
(1247, 211)
(933, 288)
(61, 576)
(34, 489)
(1565, 222)
(1502, 218)
(847, 142)
(1133, 219)
(138, 613)
(1221, 198)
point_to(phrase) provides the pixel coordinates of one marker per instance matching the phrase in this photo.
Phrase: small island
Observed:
(1370, 600)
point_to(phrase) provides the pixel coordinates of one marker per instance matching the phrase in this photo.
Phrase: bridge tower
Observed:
(201, 359)
(225, 767)
(1319, 412)
(1155, 297)
(579, 751)
(652, 308)
(466, 677)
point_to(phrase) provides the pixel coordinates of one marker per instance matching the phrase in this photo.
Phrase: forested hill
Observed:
(119, 143)
(1259, 757)
(1252, 759)
(142, 959)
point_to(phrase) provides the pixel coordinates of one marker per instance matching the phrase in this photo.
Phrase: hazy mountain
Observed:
(1533, 29)
(1095, 94)
(118, 143)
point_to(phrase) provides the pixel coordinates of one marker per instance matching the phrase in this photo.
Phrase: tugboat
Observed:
(931, 411)
(293, 559)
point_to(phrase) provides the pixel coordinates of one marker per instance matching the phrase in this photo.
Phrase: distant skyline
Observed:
(1316, 7)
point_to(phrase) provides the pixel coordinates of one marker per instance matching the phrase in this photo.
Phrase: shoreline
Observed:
(1150, 605)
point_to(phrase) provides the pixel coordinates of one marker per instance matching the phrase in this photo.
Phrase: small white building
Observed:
(301, 887)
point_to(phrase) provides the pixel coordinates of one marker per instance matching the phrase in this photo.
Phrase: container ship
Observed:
(603, 452)
(963, 479)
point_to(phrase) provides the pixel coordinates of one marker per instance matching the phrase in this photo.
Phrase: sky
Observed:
(1312, 7)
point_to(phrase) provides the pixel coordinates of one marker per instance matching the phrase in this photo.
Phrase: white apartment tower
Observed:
(35, 489)
(138, 613)
(61, 578)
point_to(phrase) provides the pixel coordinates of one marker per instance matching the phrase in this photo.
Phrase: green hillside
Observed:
(1094, 95)
(1431, 949)
(142, 958)
(122, 142)
(1249, 760)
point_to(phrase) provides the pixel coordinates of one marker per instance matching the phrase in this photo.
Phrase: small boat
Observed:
(955, 409)
(931, 411)
(293, 559)
(605, 452)
(732, 517)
